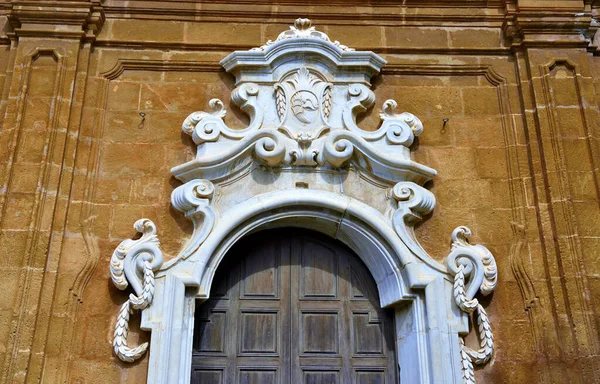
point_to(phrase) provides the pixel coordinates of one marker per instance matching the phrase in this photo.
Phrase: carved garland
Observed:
(465, 260)
(477, 262)
(131, 259)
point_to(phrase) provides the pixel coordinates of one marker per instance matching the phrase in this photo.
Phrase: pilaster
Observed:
(50, 50)
(551, 41)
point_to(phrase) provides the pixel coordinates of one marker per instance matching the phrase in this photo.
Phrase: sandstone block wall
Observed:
(518, 159)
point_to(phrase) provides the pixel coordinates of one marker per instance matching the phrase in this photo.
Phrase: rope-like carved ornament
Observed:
(134, 262)
(478, 264)
(327, 102)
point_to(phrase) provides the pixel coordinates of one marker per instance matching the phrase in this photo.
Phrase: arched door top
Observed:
(360, 227)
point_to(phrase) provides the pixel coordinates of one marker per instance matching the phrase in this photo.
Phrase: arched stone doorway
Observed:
(293, 306)
(308, 165)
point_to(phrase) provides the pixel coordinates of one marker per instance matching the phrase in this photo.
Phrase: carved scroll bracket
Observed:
(413, 202)
(134, 262)
(194, 199)
(473, 267)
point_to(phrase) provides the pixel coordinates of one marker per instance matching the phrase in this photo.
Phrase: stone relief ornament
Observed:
(302, 28)
(134, 262)
(194, 200)
(477, 263)
(307, 118)
(303, 161)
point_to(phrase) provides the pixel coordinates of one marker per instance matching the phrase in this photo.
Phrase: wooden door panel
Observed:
(320, 376)
(319, 332)
(260, 271)
(290, 306)
(209, 336)
(375, 376)
(318, 273)
(258, 375)
(368, 333)
(259, 332)
(207, 376)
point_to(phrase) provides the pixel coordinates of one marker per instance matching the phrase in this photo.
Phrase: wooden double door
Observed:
(292, 306)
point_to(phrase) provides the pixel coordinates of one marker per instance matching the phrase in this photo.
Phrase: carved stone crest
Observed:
(303, 105)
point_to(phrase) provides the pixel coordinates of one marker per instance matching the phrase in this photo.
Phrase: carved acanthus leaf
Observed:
(400, 129)
(218, 111)
(413, 201)
(209, 126)
(133, 263)
(129, 250)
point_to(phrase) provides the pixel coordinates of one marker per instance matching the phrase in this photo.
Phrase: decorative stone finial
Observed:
(303, 24)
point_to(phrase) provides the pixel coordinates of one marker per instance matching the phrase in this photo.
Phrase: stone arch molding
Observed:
(303, 161)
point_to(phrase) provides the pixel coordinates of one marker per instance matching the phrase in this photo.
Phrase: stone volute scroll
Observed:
(133, 263)
(303, 161)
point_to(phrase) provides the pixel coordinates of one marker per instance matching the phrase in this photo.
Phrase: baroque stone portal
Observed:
(304, 162)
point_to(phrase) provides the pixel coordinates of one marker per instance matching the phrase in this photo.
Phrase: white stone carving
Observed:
(194, 200)
(413, 202)
(303, 161)
(302, 28)
(304, 120)
(134, 262)
(479, 264)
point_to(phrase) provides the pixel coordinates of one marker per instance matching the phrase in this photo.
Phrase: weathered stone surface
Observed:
(518, 160)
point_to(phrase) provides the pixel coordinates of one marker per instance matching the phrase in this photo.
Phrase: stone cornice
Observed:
(58, 19)
(571, 26)
(566, 26)
(536, 27)
(415, 13)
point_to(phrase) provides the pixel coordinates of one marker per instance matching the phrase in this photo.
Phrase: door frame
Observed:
(428, 324)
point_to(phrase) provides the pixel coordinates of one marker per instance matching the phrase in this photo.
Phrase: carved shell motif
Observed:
(304, 102)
